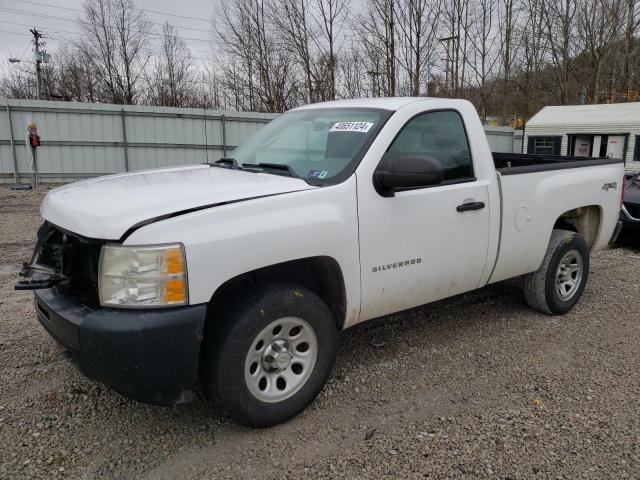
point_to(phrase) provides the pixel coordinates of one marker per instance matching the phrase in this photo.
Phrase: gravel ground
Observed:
(478, 386)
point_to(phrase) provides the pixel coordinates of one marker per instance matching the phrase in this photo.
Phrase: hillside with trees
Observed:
(509, 57)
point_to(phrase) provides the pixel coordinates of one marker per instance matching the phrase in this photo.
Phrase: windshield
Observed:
(315, 144)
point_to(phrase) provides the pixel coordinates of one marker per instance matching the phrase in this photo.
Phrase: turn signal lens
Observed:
(175, 291)
(175, 261)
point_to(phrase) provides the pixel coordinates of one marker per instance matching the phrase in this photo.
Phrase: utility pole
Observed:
(204, 119)
(448, 59)
(36, 41)
(316, 90)
(376, 83)
(41, 56)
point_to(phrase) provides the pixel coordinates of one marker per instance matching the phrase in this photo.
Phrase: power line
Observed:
(175, 15)
(186, 39)
(13, 10)
(31, 25)
(36, 14)
(67, 33)
(53, 17)
(27, 25)
(57, 7)
(62, 37)
(143, 9)
(15, 33)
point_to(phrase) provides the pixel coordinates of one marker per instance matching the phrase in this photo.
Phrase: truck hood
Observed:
(107, 207)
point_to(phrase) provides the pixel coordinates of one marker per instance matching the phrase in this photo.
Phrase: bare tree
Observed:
(115, 35)
(594, 20)
(507, 20)
(509, 57)
(291, 18)
(170, 80)
(532, 58)
(353, 72)
(66, 79)
(74, 79)
(331, 19)
(559, 21)
(418, 22)
(484, 51)
(211, 91)
(632, 22)
(456, 21)
(378, 35)
(17, 81)
(253, 51)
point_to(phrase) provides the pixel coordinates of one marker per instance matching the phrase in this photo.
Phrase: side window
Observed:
(439, 135)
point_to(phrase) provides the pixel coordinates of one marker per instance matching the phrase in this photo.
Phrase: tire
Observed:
(244, 345)
(550, 289)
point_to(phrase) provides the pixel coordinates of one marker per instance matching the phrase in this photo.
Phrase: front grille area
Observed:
(73, 256)
(633, 209)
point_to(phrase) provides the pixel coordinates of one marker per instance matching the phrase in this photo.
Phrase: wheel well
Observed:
(582, 220)
(321, 275)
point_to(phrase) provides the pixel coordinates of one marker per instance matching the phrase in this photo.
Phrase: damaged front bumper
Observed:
(148, 355)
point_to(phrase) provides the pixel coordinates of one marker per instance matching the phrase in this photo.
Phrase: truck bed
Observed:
(518, 163)
(531, 204)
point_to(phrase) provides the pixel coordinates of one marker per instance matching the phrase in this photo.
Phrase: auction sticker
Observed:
(361, 127)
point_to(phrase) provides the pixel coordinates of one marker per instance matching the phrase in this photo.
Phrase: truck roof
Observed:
(385, 103)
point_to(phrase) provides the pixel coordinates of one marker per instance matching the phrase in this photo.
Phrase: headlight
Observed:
(138, 277)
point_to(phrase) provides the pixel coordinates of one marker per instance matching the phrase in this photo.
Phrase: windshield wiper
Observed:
(230, 162)
(226, 162)
(273, 166)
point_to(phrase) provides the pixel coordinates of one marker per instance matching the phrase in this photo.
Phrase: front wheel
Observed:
(558, 284)
(268, 357)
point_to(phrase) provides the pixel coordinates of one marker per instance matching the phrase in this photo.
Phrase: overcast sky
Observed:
(57, 20)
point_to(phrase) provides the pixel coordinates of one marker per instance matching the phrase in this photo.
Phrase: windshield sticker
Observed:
(361, 127)
(317, 174)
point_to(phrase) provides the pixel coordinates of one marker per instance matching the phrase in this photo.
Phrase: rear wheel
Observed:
(268, 357)
(558, 284)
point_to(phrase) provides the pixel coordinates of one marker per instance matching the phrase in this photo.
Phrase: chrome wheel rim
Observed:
(569, 275)
(281, 359)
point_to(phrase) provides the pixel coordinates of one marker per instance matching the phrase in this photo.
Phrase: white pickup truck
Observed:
(238, 275)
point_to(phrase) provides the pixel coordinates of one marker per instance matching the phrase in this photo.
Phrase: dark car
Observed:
(630, 214)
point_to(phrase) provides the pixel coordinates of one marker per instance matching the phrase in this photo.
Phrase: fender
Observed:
(224, 242)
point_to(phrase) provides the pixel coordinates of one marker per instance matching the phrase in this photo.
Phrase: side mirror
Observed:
(407, 172)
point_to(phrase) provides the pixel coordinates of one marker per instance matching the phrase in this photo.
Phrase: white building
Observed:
(609, 130)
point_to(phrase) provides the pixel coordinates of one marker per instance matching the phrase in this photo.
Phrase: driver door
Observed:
(417, 246)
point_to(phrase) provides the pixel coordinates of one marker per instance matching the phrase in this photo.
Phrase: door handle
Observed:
(465, 207)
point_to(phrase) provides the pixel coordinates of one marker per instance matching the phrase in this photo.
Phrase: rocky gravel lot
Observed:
(478, 386)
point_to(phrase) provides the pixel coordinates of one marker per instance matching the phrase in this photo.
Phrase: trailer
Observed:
(607, 130)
